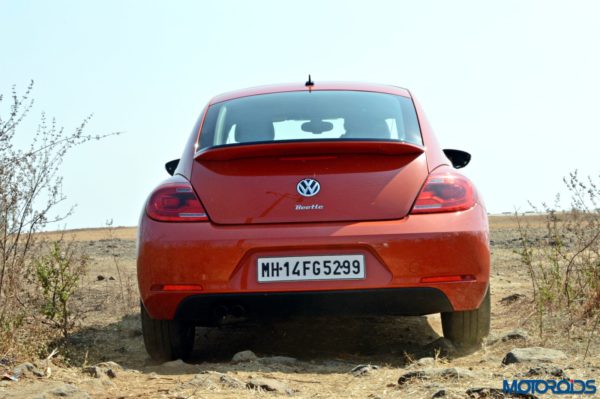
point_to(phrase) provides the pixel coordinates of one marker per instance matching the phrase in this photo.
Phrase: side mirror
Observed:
(171, 166)
(459, 158)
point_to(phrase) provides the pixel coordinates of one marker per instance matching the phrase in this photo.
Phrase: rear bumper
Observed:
(398, 254)
(209, 309)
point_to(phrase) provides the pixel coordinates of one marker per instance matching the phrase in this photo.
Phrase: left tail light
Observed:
(175, 202)
(445, 192)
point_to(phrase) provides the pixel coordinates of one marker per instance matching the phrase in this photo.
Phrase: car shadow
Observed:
(364, 339)
(321, 345)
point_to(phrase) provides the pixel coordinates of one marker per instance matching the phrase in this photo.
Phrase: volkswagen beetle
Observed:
(312, 199)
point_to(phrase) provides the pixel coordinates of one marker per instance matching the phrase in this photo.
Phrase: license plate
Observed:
(306, 268)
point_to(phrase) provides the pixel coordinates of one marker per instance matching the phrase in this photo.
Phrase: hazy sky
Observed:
(516, 83)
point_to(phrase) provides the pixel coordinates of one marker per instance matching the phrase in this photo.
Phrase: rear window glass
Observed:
(316, 115)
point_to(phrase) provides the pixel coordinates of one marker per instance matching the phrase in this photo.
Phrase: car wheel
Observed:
(167, 339)
(467, 329)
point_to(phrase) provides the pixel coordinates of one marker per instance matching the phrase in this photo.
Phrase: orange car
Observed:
(314, 199)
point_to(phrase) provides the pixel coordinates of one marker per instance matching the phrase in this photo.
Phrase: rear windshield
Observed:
(316, 115)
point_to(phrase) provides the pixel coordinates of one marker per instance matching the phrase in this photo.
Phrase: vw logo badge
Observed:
(308, 187)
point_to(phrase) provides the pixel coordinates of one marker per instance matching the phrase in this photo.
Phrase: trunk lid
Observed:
(358, 181)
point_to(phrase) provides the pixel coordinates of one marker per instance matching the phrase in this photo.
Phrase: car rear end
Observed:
(311, 201)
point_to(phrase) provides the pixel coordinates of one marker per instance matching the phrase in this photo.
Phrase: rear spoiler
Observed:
(306, 148)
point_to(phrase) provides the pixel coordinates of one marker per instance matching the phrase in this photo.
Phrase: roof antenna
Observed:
(309, 82)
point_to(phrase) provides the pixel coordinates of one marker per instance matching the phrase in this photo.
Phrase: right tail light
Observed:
(445, 192)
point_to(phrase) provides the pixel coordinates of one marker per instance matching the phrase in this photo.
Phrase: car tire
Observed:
(467, 329)
(167, 340)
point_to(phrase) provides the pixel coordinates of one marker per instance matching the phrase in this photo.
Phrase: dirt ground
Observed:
(297, 358)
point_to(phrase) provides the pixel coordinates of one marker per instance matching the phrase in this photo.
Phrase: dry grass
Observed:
(95, 234)
(327, 349)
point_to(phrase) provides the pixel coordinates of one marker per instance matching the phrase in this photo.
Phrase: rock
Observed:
(507, 300)
(553, 371)
(441, 346)
(269, 384)
(111, 365)
(425, 362)
(100, 277)
(103, 369)
(212, 379)
(244, 356)
(38, 373)
(26, 370)
(47, 390)
(68, 391)
(23, 367)
(231, 382)
(205, 381)
(285, 360)
(439, 394)
(108, 368)
(495, 393)
(454, 373)
(363, 369)
(512, 335)
(533, 354)
(448, 394)
(111, 278)
(93, 371)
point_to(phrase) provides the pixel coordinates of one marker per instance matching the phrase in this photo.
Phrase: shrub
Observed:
(563, 258)
(30, 189)
(59, 273)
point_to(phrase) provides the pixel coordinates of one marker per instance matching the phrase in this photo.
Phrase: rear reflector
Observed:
(448, 279)
(175, 202)
(176, 287)
(445, 192)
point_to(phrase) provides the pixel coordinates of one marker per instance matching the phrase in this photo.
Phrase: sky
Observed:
(515, 83)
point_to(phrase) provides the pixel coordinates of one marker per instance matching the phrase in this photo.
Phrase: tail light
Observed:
(445, 192)
(175, 202)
